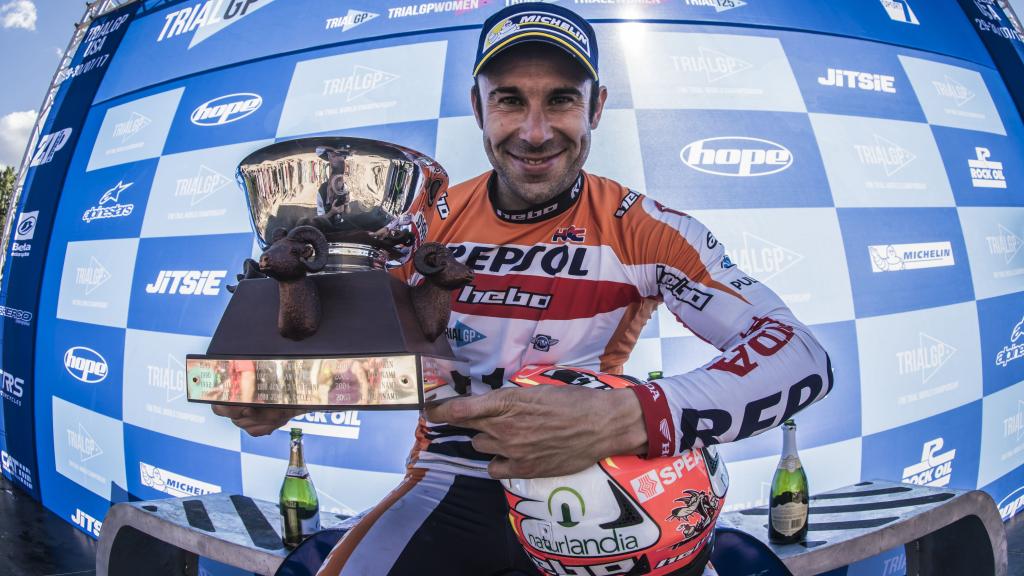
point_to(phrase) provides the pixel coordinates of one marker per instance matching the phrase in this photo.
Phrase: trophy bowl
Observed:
(318, 322)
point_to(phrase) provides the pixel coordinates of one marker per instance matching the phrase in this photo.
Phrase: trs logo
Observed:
(87, 523)
(736, 156)
(934, 469)
(569, 234)
(187, 282)
(13, 388)
(226, 109)
(49, 145)
(85, 364)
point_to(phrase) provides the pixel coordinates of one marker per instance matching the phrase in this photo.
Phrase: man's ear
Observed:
(595, 116)
(474, 98)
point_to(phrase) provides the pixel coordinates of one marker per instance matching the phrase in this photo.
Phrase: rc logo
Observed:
(718, 5)
(1011, 504)
(187, 282)
(569, 234)
(885, 153)
(1005, 244)
(85, 364)
(463, 335)
(49, 145)
(899, 257)
(934, 469)
(763, 259)
(714, 64)
(174, 484)
(110, 205)
(25, 230)
(92, 276)
(12, 388)
(350, 20)
(1014, 350)
(87, 523)
(736, 156)
(204, 184)
(129, 128)
(226, 109)
(82, 442)
(858, 80)
(900, 11)
(986, 173)
(955, 91)
(359, 83)
(928, 358)
(170, 378)
(204, 19)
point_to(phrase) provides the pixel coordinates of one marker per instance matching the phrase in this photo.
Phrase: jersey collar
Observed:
(556, 206)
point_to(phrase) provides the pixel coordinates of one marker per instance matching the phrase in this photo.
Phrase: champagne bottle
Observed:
(789, 505)
(654, 375)
(300, 507)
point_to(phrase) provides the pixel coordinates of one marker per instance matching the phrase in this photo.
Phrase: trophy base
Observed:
(368, 353)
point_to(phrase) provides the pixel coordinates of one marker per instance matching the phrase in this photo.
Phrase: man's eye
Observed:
(509, 101)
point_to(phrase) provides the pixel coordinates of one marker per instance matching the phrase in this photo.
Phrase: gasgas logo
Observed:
(738, 156)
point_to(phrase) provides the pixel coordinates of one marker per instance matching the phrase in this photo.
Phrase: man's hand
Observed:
(257, 421)
(547, 431)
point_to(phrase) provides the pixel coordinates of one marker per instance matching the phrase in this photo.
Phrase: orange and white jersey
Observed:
(574, 282)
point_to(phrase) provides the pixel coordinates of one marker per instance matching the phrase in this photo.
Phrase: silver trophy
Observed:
(318, 322)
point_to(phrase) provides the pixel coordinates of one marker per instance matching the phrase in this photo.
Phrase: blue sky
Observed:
(31, 34)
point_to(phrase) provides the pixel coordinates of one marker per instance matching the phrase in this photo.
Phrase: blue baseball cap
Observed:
(538, 22)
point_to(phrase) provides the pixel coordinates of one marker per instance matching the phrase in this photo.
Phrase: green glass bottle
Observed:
(300, 507)
(654, 375)
(790, 499)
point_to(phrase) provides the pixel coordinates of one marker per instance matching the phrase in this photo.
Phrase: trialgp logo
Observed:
(174, 484)
(226, 109)
(736, 156)
(935, 469)
(205, 19)
(930, 355)
(713, 64)
(187, 282)
(85, 364)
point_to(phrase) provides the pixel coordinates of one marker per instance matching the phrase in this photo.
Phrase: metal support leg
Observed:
(133, 551)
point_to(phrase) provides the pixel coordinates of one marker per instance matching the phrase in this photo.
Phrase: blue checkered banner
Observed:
(862, 158)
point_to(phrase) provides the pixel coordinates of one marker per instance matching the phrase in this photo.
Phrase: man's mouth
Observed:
(535, 161)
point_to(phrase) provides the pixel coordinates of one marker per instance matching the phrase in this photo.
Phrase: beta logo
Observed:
(174, 484)
(49, 145)
(226, 109)
(85, 364)
(934, 469)
(24, 231)
(187, 282)
(350, 20)
(87, 523)
(986, 173)
(867, 81)
(738, 156)
(900, 11)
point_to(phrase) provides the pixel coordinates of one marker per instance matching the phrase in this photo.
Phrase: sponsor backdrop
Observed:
(866, 163)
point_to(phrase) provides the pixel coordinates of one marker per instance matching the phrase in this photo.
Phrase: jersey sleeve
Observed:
(770, 367)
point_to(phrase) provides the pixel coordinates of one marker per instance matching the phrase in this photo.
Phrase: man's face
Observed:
(533, 108)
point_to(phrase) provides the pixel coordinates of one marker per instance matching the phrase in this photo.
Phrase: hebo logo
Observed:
(736, 156)
(226, 109)
(934, 469)
(85, 364)
(570, 506)
(87, 523)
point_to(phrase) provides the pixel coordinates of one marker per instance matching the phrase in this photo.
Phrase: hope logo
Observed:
(739, 156)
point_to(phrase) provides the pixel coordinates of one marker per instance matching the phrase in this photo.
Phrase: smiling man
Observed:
(569, 267)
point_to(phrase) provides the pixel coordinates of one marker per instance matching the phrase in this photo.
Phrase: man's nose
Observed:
(536, 128)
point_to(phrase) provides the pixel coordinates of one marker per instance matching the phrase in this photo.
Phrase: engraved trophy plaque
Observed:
(318, 322)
